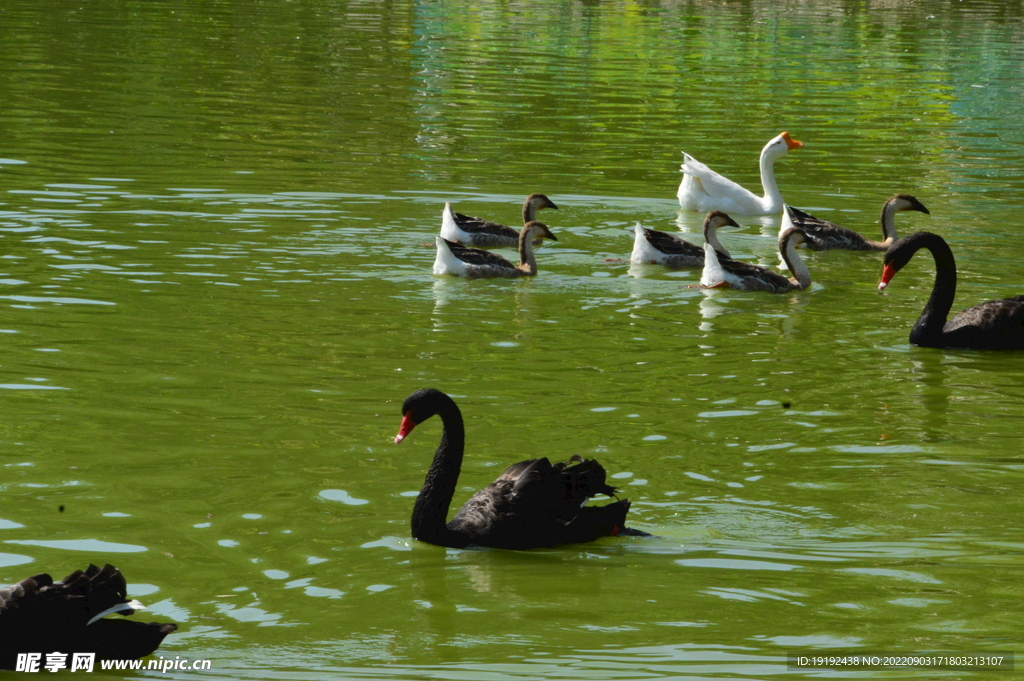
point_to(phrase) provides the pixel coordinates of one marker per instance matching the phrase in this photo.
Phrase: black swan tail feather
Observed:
(595, 522)
(38, 615)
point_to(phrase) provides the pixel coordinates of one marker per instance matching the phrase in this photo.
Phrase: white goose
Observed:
(703, 189)
(745, 276)
(474, 263)
(470, 231)
(661, 248)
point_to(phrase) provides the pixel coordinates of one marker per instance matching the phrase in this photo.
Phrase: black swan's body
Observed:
(534, 503)
(994, 325)
(38, 615)
(823, 235)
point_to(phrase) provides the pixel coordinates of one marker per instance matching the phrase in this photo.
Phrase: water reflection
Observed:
(932, 371)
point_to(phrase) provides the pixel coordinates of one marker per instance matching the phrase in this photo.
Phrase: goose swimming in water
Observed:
(39, 615)
(823, 235)
(474, 263)
(470, 231)
(703, 189)
(745, 276)
(993, 325)
(661, 248)
(534, 503)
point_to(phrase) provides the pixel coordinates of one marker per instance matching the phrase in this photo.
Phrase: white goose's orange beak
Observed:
(790, 142)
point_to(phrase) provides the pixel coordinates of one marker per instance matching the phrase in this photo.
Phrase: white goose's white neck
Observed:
(772, 196)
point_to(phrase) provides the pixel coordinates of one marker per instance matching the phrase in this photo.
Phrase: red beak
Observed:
(888, 272)
(407, 425)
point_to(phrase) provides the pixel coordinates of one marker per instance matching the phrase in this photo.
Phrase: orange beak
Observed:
(790, 142)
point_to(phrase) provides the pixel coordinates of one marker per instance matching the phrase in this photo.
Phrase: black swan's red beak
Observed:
(888, 272)
(407, 425)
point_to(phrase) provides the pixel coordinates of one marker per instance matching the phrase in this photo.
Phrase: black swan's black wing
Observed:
(534, 503)
(38, 615)
(994, 325)
(594, 522)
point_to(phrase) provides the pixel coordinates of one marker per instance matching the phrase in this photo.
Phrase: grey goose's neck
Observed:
(787, 248)
(527, 261)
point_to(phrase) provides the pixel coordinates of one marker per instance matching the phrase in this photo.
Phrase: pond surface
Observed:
(216, 228)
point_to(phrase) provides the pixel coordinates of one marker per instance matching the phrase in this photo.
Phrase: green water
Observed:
(215, 229)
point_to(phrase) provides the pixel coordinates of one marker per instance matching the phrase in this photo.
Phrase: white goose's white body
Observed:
(703, 189)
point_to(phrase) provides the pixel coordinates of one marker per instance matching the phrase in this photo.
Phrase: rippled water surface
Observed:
(216, 228)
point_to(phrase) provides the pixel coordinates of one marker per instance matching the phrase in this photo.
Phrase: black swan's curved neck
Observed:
(928, 329)
(430, 513)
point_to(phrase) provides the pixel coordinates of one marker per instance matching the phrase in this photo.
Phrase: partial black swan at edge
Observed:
(38, 615)
(994, 325)
(534, 503)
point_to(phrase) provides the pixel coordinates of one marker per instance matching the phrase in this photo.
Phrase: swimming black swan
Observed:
(475, 263)
(532, 504)
(38, 615)
(995, 325)
(745, 276)
(823, 235)
(470, 231)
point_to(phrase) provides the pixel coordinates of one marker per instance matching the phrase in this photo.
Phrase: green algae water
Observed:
(216, 232)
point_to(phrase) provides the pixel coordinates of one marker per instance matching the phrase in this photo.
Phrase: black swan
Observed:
(823, 235)
(533, 504)
(469, 231)
(38, 615)
(744, 276)
(661, 248)
(994, 325)
(474, 263)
